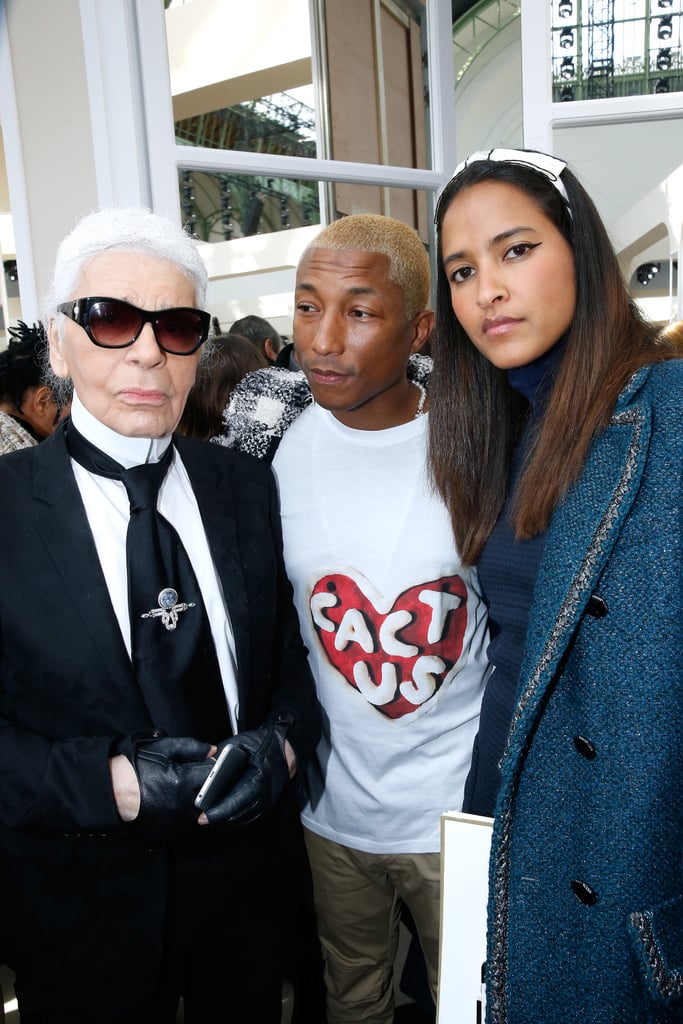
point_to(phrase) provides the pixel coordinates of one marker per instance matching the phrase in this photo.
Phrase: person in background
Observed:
(556, 442)
(261, 334)
(395, 626)
(673, 334)
(146, 623)
(28, 410)
(230, 357)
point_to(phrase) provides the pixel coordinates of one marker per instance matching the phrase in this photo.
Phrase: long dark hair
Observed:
(476, 417)
(231, 357)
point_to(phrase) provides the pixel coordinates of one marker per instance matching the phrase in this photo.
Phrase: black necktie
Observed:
(172, 648)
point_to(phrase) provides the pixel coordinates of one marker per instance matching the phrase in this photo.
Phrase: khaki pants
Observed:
(358, 903)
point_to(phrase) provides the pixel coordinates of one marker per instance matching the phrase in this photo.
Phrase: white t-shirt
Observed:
(395, 627)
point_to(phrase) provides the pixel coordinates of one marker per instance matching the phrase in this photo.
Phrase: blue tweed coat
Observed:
(586, 871)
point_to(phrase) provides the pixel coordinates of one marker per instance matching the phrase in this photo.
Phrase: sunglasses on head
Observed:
(113, 323)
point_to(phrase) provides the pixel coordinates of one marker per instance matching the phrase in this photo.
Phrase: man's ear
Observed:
(423, 325)
(269, 350)
(57, 359)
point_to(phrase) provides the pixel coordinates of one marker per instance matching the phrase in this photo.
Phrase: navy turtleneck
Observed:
(507, 571)
(535, 380)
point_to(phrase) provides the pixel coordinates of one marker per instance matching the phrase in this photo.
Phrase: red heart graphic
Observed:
(397, 659)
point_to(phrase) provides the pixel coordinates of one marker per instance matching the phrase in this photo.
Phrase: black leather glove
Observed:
(170, 772)
(262, 782)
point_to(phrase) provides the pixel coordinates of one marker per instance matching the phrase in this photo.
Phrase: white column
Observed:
(46, 133)
(441, 87)
(537, 96)
(114, 84)
(74, 130)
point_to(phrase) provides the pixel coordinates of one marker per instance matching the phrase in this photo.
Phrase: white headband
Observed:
(548, 166)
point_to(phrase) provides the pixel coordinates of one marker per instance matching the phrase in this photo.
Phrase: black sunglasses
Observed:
(113, 323)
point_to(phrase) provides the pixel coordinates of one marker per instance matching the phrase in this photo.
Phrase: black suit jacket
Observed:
(82, 892)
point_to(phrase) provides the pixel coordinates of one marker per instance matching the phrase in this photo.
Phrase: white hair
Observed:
(129, 230)
(134, 230)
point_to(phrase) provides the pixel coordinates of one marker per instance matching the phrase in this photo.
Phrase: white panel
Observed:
(115, 97)
(21, 235)
(441, 88)
(489, 95)
(162, 151)
(273, 44)
(536, 74)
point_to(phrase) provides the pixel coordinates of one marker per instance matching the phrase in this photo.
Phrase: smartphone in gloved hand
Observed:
(229, 765)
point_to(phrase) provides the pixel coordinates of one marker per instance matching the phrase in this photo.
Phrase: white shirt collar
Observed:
(128, 451)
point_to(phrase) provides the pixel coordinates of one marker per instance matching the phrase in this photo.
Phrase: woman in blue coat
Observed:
(557, 441)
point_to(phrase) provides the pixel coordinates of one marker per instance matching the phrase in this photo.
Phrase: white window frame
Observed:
(166, 158)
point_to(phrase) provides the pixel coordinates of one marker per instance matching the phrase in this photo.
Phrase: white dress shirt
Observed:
(107, 509)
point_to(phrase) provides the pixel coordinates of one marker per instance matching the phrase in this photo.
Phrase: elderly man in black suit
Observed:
(140, 633)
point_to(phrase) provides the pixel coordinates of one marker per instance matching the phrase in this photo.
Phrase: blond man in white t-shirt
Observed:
(395, 625)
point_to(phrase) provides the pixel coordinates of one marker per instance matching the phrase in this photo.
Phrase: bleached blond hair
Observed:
(371, 232)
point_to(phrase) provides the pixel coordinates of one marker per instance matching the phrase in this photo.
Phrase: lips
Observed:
(143, 396)
(499, 325)
(325, 376)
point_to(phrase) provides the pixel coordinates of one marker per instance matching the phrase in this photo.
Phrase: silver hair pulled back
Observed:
(549, 166)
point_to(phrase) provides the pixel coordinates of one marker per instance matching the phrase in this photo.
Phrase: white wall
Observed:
(488, 99)
(219, 57)
(620, 163)
(239, 285)
(45, 120)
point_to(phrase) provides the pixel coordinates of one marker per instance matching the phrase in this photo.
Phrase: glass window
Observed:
(611, 48)
(256, 93)
(302, 81)
(283, 123)
(220, 207)
(376, 65)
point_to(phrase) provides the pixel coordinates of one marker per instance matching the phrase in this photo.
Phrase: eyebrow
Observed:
(304, 286)
(496, 240)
